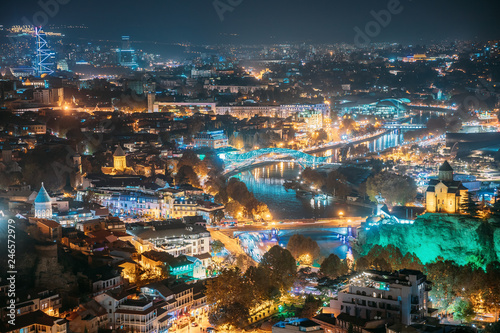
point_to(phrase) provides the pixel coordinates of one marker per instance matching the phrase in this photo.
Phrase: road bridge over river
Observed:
(295, 224)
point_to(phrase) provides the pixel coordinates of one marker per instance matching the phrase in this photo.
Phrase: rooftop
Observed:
(42, 196)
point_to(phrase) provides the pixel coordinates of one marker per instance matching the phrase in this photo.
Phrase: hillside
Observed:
(453, 237)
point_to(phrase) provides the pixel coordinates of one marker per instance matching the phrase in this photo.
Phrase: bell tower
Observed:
(119, 159)
(446, 172)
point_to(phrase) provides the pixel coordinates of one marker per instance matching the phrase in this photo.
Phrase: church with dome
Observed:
(43, 204)
(119, 164)
(445, 195)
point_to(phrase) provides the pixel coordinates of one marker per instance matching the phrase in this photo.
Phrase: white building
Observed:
(134, 315)
(43, 204)
(175, 238)
(399, 297)
(211, 139)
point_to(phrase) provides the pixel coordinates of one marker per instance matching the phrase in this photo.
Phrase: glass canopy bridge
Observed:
(241, 160)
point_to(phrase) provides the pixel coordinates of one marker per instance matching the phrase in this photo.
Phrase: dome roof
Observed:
(445, 167)
(42, 196)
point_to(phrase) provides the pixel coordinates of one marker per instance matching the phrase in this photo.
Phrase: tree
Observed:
(336, 183)
(445, 282)
(311, 306)
(231, 296)
(304, 249)
(382, 265)
(217, 216)
(362, 264)
(463, 310)
(217, 246)
(189, 158)
(238, 191)
(186, 175)
(280, 267)
(89, 198)
(333, 267)
(393, 256)
(469, 206)
(394, 188)
(411, 261)
(490, 291)
(262, 287)
(313, 177)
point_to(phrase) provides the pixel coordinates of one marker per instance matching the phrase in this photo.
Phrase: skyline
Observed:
(200, 22)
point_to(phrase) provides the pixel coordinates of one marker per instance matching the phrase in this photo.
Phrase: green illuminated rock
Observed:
(453, 237)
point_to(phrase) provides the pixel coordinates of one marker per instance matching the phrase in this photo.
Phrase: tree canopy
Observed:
(333, 266)
(394, 188)
(280, 267)
(303, 249)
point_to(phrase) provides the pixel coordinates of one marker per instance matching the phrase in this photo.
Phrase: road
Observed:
(297, 224)
(231, 244)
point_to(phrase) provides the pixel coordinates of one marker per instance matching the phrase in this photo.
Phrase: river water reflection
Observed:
(266, 182)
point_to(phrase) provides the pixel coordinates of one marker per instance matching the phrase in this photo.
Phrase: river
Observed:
(266, 182)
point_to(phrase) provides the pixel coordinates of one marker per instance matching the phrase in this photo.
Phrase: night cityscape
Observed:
(249, 166)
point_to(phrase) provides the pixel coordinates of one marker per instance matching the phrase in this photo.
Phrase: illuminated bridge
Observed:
(274, 154)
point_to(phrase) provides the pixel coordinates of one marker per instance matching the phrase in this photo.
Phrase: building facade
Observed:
(399, 297)
(445, 195)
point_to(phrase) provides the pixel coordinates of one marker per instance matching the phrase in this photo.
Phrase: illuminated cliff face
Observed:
(453, 237)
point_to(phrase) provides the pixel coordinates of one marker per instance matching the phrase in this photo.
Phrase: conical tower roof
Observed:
(42, 196)
(119, 151)
(445, 167)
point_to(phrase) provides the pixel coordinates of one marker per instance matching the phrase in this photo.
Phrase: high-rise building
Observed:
(126, 55)
(44, 58)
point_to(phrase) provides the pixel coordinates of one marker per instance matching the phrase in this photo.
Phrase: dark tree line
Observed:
(234, 293)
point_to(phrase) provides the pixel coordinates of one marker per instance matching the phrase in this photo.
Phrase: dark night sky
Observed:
(269, 21)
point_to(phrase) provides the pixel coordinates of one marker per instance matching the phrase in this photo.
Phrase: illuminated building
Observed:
(366, 106)
(119, 164)
(179, 267)
(242, 112)
(131, 203)
(139, 315)
(444, 195)
(291, 109)
(38, 321)
(30, 128)
(126, 55)
(185, 107)
(180, 299)
(309, 120)
(62, 65)
(399, 297)
(281, 111)
(211, 139)
(174, 238)
(49, 96)
(43, 204)
(43, 57)
(46, 301)
(234, 89)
